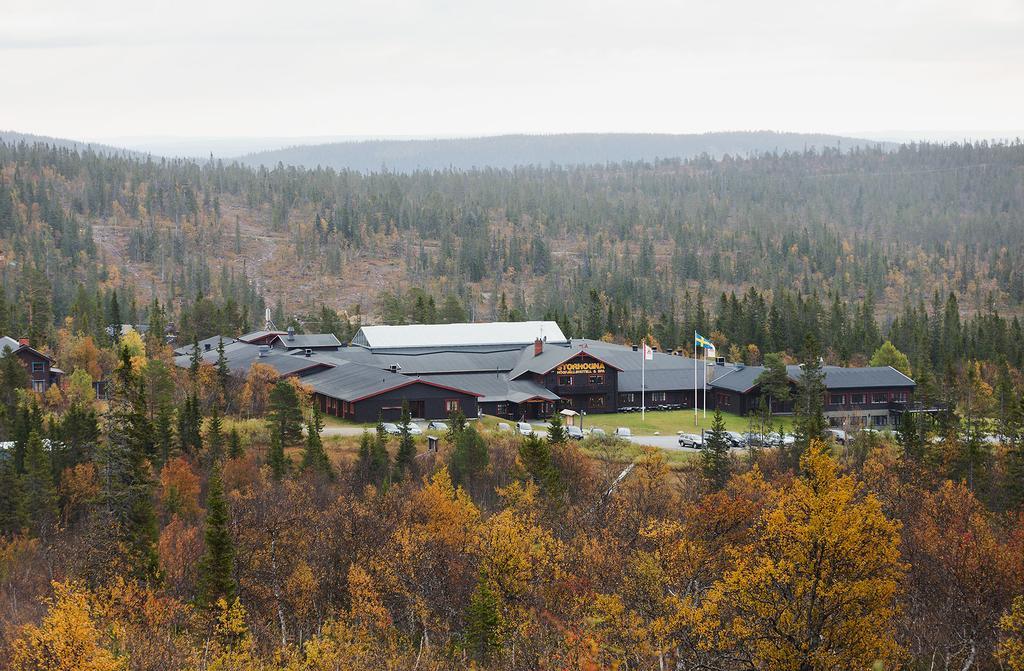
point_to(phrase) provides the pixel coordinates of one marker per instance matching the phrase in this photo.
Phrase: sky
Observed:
(119, 69)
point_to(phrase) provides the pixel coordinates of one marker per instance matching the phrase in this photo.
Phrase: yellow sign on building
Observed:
(580, 367)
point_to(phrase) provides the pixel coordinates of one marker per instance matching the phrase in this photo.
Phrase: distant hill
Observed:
(13, 138)
(508, 151)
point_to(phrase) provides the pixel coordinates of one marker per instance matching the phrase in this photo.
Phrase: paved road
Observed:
(662, 442)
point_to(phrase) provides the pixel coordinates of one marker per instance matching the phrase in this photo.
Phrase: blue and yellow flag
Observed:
(701, 341)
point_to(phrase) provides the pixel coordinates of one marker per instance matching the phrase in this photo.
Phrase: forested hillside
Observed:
(833, 243)
(516, 151)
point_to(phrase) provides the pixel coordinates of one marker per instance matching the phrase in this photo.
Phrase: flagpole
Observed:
(695, 378)
(705, 403)
(643, 381)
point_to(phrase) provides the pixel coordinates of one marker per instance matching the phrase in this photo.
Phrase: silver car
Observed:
(391, 428)
(690, 440)
(524, 429)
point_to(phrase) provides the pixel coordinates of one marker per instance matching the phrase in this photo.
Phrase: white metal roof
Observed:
(440, 335)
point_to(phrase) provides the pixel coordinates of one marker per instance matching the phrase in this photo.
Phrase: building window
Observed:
(658, 397)
(881, 420)
(627, 398)
(452, 405)
(836, 399)
(38, 367)
(565, 380)
(597, 401)
(880, 397)
(724, 400)
(856, 399)
(900, 396)
(501, 408)
(597, 379)
(39, 386)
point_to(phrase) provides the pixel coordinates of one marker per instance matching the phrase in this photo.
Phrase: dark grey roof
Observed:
(256, 335)
(494, 387)
(349, 381)
(435, 360)
(308, 340)
(734, 378)
(838, 377)
(240, 356)
(665, 379)
(212, 341)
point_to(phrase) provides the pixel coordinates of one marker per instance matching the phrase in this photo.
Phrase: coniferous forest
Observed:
(155, 516)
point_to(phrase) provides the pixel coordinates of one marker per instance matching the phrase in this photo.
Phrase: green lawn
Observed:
(670, 422)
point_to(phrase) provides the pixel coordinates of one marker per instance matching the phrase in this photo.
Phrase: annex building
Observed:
(525, 370)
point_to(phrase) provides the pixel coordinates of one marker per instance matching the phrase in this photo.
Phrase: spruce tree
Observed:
(214, 437)
(223, 373)
(380, 460)
(809, 409)
(235, 450)
(1015, 456)
(456, 423)
(535, 458)
(405, 458)
(12, 505)
(556, 430)
(217, 566)
(470, 456)
(314, 457)
(276, 459)
(715, 461)
(285, 412)
(483, 623)
(40, 494)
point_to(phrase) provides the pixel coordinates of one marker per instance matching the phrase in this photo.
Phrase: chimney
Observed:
(207, 346)
(263, 350)
(23, 342)
(720, 360)
(538, 347)
(308, 352)
(291, 333)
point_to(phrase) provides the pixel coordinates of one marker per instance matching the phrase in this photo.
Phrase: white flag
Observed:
(648, 353)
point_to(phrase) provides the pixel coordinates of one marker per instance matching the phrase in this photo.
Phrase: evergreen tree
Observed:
(195, 360)
(40, 494)
(223, 373)
(910, 436)
(235, 450)
(380, 460)
(774, 381)
(715, 461)
(276, 458)
(535, 459)
(12, 504)
(470, 456)
(214, 438)
(314, 457)
(13, 376)
(556, 430)
(286, 412)
(163, 430)
(809, 409)
(126, 489)
(217, 566)
(406, 456)
(1015, 456)
(456, 423)
(29, 418)
(190, 440)
(483, 623)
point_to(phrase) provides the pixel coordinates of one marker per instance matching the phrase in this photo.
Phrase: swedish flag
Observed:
(701, 341)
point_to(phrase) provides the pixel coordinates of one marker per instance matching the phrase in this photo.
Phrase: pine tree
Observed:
(714, 458)
(483, 623)
(223, 373)
(217, 566)
(405, 458)
(314, 457)
(285, 412)
(535, 458)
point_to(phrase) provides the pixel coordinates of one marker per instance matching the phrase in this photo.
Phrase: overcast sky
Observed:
(117, 68)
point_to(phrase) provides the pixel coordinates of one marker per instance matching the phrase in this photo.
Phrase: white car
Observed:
(524, 429)
(415, 429)
(839, 435)
(598, 432)
(623, 432)
(574, 432)
(391, 428)
(437, 425)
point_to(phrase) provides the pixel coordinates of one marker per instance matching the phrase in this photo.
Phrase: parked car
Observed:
(735, 439)
(437, 425)
(503, 426)
(623, 432)
(690, 440)
(839, 435)
(415, 429)
(598, 432)
(574, 432)
(524, 428)
(391, 428)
